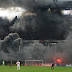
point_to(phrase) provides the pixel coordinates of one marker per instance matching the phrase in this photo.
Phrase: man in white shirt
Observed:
(18, 65)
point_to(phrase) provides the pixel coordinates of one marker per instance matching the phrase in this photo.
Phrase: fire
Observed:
(59, 60)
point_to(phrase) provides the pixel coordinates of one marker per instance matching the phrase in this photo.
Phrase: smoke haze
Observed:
(7, 3)
(42, 25)
(11, 44)
(34, 24)
(37, 24)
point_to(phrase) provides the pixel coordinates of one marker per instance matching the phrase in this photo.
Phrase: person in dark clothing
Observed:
(52, 65)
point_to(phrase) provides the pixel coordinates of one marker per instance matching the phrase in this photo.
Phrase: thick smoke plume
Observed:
(5, 25)
(21, 3)
(13, 48)
(7, 3)
(42, 3)
(42, 25)
(37, 24)
(10, 46)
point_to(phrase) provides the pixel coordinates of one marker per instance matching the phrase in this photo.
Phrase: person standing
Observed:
(10, 63)
(18, 65)
(52, 65)
(3, 63)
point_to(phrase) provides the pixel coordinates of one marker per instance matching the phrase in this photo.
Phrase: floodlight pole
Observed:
(20, 45)
(48, 50)
(42, 62)
(19, 48)
(55, 51)
(25, 62)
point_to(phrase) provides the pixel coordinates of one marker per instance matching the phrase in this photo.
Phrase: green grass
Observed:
(34, 69)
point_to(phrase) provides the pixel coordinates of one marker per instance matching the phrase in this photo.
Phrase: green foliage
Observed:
(34, 69)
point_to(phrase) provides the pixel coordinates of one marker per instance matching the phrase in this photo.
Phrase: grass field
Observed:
(34, 69)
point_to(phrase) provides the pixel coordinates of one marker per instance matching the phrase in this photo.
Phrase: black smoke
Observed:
(9, 49)
(14, 48)
(42, 25)
(37, 24)
(7, 3)
(10, 46)
(5, 25)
